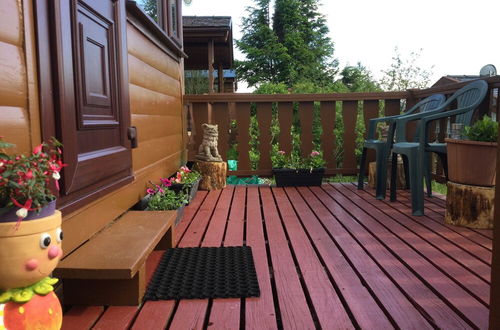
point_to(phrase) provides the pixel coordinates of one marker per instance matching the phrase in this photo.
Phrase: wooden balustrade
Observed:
(236, 112)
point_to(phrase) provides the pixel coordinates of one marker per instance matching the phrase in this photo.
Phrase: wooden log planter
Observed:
(469, 206)
(213, 175)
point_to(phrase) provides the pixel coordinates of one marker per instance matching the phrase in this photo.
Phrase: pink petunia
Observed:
(314, 154)
(150, 191)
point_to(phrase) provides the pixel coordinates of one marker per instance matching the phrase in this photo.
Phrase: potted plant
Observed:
(472, 161)
(186, 180)
(164, 199)
(293, 170)
(30, 237)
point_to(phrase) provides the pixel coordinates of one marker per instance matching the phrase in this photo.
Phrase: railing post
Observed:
(306, 112)
(349, 115)
(264, 117)
(327, 113)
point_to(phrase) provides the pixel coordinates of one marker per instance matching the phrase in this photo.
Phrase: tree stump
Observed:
(469, 206)
(372, 175)
(213, 175)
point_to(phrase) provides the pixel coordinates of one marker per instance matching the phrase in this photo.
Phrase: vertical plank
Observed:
(81, 317)
(200, 116)
(327, 111)
(243, 122)
(392, 107)
(264, 117)
(285, 116)
(117, 318)
(306, 122)
(370, 110)
(225, 313)
(154, 315)
(221, 118)
(495, 262)
(259, 312)
(211, 56)
(294, 309)
(349, 115)
(325, 300)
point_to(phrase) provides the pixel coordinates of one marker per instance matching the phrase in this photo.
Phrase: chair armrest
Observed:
(401, 122)
(372, 124)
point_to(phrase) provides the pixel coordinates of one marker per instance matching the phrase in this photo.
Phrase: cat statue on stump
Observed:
(208, 148)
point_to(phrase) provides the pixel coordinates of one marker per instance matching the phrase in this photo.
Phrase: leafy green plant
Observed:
(485, 130)
(184, 175)
(293, 161)
(166, 199)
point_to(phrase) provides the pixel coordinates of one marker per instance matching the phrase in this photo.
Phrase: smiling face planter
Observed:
(29, 253)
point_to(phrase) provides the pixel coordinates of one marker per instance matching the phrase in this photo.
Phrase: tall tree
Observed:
(265, 56)
(359, 79)
(295, 48)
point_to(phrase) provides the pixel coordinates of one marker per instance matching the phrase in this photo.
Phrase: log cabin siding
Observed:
(155, 104)
(14, 111)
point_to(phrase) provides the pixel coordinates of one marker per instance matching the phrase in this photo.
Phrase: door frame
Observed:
(48, 40)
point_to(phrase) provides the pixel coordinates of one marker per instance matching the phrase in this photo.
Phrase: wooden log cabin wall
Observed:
(148, 78)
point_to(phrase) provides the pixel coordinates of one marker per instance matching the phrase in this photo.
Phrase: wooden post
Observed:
(211, 66)
(220, 78)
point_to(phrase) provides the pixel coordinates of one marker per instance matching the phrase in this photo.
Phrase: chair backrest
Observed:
(470, 97)
(428, 104)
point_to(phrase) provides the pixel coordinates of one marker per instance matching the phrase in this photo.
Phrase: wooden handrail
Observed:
(249, 97)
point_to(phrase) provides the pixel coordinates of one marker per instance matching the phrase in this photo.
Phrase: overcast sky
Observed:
(456, 37)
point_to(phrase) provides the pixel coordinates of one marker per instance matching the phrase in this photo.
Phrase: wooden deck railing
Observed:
(238, 114)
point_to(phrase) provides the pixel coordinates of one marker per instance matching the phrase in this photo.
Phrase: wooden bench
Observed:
(109, 269)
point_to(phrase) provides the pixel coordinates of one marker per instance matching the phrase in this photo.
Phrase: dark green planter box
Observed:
(286, 177)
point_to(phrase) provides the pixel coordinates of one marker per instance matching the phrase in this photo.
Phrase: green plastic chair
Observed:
(382, 148)
(467, 99)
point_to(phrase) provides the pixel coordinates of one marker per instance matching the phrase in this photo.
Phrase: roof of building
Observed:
(206, 21)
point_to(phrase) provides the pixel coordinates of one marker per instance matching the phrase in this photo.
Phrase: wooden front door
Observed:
(90, 83)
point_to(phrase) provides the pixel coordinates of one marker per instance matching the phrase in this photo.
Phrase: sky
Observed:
(455, 37)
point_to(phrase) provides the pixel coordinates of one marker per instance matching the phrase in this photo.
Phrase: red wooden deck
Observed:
(328, 257)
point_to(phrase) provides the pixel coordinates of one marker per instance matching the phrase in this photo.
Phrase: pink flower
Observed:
(150, 191)
(165, 182)
(314, 154)
(281, 152)
(38, 149)
(185, 169)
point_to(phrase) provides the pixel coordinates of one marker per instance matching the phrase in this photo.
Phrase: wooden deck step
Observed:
(109, 269)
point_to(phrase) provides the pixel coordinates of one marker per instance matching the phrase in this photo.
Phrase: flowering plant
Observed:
(25, 180)
(160, 198)
(185, 176)
(293, 161)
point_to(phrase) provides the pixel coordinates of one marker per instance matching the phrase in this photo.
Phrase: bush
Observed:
(485, 130)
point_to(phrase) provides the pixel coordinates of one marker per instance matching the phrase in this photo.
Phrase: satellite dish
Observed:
(187, 2)
(488, 70)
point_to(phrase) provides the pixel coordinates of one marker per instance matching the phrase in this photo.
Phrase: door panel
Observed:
(93, 105)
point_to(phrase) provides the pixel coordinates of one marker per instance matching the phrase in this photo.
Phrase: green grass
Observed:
(439, 187)
(339, 178)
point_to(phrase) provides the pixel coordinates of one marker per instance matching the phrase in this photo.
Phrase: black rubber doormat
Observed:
(206, 272)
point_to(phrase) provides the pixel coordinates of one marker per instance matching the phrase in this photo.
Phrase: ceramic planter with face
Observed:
(29, 253)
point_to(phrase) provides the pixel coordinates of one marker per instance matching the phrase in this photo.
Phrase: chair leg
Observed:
(444, 162)
(362, 168)
(394, 168)
(416, 184)
(428, 175)
(381, 169)
(407, 172)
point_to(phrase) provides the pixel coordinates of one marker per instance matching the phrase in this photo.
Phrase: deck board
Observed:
(326, 257)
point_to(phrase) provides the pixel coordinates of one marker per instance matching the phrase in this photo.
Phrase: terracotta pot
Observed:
(9, 214)
(472, 162)
(26, 255)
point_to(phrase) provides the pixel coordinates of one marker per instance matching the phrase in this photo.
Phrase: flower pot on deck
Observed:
(286, 177)
(472, 162)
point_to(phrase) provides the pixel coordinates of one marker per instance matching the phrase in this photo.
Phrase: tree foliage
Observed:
(294, 48)
(404, 73)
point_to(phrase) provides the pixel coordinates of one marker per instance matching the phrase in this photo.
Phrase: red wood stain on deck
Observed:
(326, 257)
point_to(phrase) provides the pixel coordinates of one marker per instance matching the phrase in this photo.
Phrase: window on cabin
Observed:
(172, 8)
(150, 7)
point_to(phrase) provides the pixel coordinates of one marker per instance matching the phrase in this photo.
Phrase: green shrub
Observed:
(167, 200)
(485, 130)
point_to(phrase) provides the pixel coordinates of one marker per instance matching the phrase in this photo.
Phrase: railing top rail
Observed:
(249, 97)
(451, 88)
